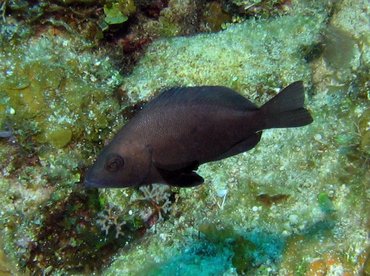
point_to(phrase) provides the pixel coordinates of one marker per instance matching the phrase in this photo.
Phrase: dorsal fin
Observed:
(201, 95)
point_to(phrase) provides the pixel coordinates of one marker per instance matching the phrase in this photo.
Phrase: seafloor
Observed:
(73, 72)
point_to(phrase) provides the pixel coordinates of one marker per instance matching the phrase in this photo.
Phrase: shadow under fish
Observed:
(185, 127)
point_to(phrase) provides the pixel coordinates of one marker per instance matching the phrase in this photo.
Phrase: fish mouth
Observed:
(93, 184)
(89, 184)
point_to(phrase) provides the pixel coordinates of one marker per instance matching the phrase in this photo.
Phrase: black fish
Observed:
(188, 126)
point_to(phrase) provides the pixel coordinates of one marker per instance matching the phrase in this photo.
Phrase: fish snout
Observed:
(90, 184)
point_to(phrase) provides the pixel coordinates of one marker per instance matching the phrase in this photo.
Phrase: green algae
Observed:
(325, 203)
(59, 137)
(364, 131)
(113, 15)
(46, 91)
(117, 12)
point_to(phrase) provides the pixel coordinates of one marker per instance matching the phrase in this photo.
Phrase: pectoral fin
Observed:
(185, 180)
(184, 177)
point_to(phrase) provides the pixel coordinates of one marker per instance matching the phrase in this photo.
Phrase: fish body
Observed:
(185, 127)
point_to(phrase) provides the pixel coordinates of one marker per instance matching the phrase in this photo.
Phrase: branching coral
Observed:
(111, 218)
(257, 8)
(159, 197)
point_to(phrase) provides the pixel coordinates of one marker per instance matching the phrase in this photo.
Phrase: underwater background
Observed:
(72, 72)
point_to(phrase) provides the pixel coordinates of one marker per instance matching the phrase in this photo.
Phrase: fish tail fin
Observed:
(286, 108)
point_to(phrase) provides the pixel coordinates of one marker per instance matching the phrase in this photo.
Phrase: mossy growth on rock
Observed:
(67, 95)
(58, 103)
(251, 58)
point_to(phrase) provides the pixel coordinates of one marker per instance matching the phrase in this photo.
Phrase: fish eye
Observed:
(114, 163)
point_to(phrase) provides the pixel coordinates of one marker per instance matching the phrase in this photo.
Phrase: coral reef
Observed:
(259, 8)
(313, 179)
(251, 57)
(52, 99)
(294, 205)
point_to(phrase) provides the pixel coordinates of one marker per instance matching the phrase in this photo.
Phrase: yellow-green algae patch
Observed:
(51, 85)
(59, 136)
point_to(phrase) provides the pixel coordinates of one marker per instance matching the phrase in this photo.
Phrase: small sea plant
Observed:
(159, 196)
(111, 218)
